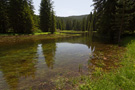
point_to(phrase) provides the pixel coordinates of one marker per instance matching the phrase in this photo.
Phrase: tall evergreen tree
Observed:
(4, 19)
(115, 17)
(30, 3)
(89, 27)
(89, 19)
(78, 25)
(20, 16)
(45, 15)
(132, 15)
(105, 15)
(123, 16)
(69, 25)
(84, 24)
(63, 24)
(53, 23)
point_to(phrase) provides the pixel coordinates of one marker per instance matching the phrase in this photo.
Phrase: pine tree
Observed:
(114, 17)
(30, 3)
(123, 16)
(84, 24)
(45, 15)
(89, 27)
(63, 25)
(20, 16)
(4, 19)
(94, 21)
(132, 20)
(68, 24)
(53, 23)
(89, 19)
(105, 15)
(74, 25)
(78, 25)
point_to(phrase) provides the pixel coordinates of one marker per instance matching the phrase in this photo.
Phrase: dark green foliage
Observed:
(36, 20)
(132, 20)
(30, 3)
(94, 21)
(53, 23)
(70, 23)
(21, 17)
(105, 13)
(89, 19)
(84, 24)
(74, 24)
(45, 15)
(114, 18)
(4, 19)
(91, 22)
(59, 24)
(78, 23)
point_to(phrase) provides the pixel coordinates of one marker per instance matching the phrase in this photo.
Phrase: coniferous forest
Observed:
(17, 16)
(109, 18)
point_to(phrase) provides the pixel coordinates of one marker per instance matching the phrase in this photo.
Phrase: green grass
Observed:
(121, 79)
(11, 34)
(45, 33)
(72, 31)
(39, 33)
(42, 33)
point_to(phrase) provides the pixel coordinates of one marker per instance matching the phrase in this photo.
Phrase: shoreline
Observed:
(24, 38)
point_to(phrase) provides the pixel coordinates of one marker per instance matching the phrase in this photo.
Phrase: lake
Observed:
(38, 64)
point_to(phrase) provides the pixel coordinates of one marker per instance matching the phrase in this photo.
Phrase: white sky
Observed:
(68, 7)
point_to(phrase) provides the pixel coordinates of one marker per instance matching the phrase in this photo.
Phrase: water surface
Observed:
(36, 64)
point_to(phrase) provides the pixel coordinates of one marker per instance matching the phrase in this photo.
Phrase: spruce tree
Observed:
(132, 20)
(53, 23)
(20, 16)
(4, 19)
(89, 27)
(84, 24)
(63, 24)
(45, 15)
(105, 15)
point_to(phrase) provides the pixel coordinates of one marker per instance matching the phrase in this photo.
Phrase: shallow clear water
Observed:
(29, 65)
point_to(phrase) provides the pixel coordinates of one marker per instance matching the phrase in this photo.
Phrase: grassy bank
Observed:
(46, 33)
(11, 39)
(121, 79)
(73, 32)
(40, 33)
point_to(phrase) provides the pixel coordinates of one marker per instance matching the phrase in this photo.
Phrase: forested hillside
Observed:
(78, 23)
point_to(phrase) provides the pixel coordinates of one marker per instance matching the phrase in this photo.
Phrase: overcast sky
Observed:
(68, 7)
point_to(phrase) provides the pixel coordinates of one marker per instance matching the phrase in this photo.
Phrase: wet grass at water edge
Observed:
(121, 79)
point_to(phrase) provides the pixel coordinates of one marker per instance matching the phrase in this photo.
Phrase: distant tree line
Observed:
(77, 24)
(17, 16)
(115, 18)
